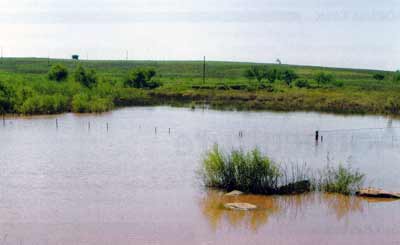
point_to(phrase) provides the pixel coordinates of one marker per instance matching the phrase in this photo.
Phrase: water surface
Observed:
(135, 183)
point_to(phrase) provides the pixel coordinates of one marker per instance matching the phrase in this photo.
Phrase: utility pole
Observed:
(204, 70)
(127, 55)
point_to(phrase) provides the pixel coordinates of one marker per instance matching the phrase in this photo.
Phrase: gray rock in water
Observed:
(371, 192)
(234, 193)
(240, 206)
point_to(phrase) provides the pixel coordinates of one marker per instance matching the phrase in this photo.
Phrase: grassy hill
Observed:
(352, 91)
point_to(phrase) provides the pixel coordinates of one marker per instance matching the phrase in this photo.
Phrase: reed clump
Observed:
(247, 172)
(253, 172)
(340, 179)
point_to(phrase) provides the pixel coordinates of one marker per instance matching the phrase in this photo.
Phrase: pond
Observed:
(129, 177)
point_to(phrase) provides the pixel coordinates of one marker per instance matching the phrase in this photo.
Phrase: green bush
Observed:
(272, 74)
(98, 104)
(379, 76)
(5, 99)
(58, 73)
(141, 78)
(302, 84)
(288, 76)
(44, 104)
(255, 72)
(85, 77)
(80, 103)
(323, 78)
(338, 84)
(396, 76)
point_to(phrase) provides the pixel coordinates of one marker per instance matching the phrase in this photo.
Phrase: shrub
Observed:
(80, 103)
(343, 180)
(379, 76)
(5, 100)
(396, 76)
(323, 78)
(255, 72)
(338, 84)
(272, 74)
(288, 76)
(85, 77)
(302, 84)
(44, 104)
(141, 78)
(98, 104)
(58, 73)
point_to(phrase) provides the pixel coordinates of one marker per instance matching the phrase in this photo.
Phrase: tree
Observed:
(323, 78)
(288, 76)
(85, 77)
(255, 72)
(58, 73)
(141, 78)
(379, 76)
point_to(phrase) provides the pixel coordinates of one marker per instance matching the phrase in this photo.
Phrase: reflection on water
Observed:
(213, 208)
(290, 207)
(132, 185)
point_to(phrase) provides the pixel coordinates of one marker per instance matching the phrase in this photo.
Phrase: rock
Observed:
(234, 193)
(295, 188)
(371, 192)
(240, 206)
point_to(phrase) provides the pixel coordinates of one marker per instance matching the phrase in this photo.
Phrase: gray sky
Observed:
(341, 33)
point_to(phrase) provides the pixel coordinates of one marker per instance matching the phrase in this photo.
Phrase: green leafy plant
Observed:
(288, 76)
(87, 77)
(58, 73)
(141, 78)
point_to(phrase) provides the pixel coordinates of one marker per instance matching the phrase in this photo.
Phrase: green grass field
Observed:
(26, 89)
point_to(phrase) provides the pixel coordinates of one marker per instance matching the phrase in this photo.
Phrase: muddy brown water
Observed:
(136, 183)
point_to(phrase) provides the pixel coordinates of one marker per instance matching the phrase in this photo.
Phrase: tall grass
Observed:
(340, 179)
(248, 172)
(253, 172)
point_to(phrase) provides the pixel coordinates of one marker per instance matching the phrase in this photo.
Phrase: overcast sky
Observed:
(340, 33)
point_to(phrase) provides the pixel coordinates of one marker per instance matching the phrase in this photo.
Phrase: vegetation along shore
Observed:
(48, 86)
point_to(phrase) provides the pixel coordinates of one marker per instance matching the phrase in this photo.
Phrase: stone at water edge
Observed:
(371, 192)
(240, 206)
(234, 193)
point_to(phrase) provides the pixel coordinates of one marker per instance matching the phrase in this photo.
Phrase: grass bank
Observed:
(42, 86)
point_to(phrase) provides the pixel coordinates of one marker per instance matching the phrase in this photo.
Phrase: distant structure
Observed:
(278, 61)
(75, 57)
